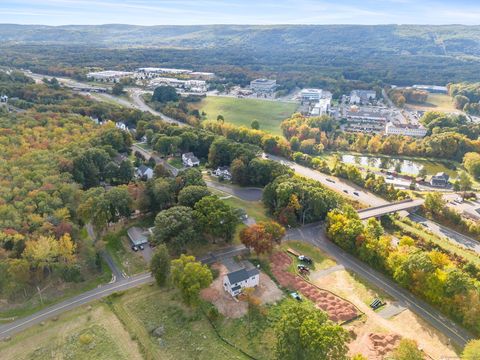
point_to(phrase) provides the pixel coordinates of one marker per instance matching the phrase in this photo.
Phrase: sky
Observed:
(200, 12)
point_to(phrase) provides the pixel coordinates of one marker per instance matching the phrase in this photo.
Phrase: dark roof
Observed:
(143, 169)
(235, 288)
(241, 275)
(441, 175)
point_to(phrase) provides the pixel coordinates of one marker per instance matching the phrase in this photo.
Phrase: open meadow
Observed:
(241, 111)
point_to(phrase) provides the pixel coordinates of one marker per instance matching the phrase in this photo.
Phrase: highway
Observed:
(451, 235)
(315, 235)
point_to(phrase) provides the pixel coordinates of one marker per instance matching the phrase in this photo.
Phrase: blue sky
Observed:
(190, 12)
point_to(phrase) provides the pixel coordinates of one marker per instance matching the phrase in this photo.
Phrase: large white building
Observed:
(322, 107)
(198, 86)
(263, 85)
(109, 75)
(362, 96)
(311, 94)
(405, 129)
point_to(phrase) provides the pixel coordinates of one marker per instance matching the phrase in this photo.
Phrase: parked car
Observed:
(345, 191)
(134, 248)
(302, 268)
(305, 259)
(356, 193)
(296, 296)
(390, 177)
(330, 180)
(141, 247)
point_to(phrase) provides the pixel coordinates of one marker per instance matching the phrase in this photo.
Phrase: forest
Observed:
(344, 57)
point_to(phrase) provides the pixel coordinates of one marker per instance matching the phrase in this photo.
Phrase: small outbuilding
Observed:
(137, 236)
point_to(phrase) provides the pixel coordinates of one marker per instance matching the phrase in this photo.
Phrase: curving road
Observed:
(315, 235)
(49, 312)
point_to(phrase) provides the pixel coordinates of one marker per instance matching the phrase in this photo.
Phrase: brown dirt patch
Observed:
(338, 310)
(267, 292)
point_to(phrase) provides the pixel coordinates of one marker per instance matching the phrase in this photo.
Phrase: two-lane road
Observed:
(315, 235)
(95, 294)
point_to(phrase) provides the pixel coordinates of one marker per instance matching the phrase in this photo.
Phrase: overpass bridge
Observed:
(389, 208)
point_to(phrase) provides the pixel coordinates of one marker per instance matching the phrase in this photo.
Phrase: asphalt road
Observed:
(336, 184)
(49, 312)
(451, 235)
(247, 194)
(315, 235)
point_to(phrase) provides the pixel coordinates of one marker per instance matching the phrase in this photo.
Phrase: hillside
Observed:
(399, 54)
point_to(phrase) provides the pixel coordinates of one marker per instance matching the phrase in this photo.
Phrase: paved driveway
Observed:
(244, 193)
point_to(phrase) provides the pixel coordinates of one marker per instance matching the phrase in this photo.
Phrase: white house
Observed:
(236, 281)
(190, 160)
(4, 98)
(144, 172)
(224, 172)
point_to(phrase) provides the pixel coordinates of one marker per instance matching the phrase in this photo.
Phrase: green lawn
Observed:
(320, 259)
(175, 162)
(118, 246)
(242, 112)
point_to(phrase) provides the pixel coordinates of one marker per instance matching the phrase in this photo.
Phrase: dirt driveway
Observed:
(267, 292)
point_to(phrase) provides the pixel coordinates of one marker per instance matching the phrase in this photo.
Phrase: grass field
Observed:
(437, 102)
(118, 246)
(83, 333)
(242, 112)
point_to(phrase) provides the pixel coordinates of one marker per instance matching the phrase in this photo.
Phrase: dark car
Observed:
(330, 180)
(305, 259)
(303, 268)
(356, 193)
(345, 191)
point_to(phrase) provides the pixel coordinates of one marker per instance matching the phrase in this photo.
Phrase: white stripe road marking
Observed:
(146, 276)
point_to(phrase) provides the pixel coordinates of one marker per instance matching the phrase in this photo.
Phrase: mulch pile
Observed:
(338, 310)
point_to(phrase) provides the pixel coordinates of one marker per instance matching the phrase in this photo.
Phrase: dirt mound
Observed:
(338, 310)
(382, 344)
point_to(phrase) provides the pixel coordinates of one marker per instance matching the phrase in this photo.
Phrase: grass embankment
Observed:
(118, 246)
(242, 112)
(409, 228)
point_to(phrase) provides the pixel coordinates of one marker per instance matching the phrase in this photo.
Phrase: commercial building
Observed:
(322, 107)
(434, 89)
(311, 94)
(109, 75)
(263, 85)
(198, 86)
(405, 129)
(362, 96)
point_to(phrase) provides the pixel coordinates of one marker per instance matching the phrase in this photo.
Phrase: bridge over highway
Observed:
(385, 209)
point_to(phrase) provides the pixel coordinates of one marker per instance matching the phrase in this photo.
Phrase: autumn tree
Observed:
(472, 350)
(407, 350)
(190, 276)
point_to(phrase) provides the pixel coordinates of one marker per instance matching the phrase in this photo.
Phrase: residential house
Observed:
(190, 160)
(144, 172)
(439, 180)
(223, 172)
(4, 98)
(234, 282)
